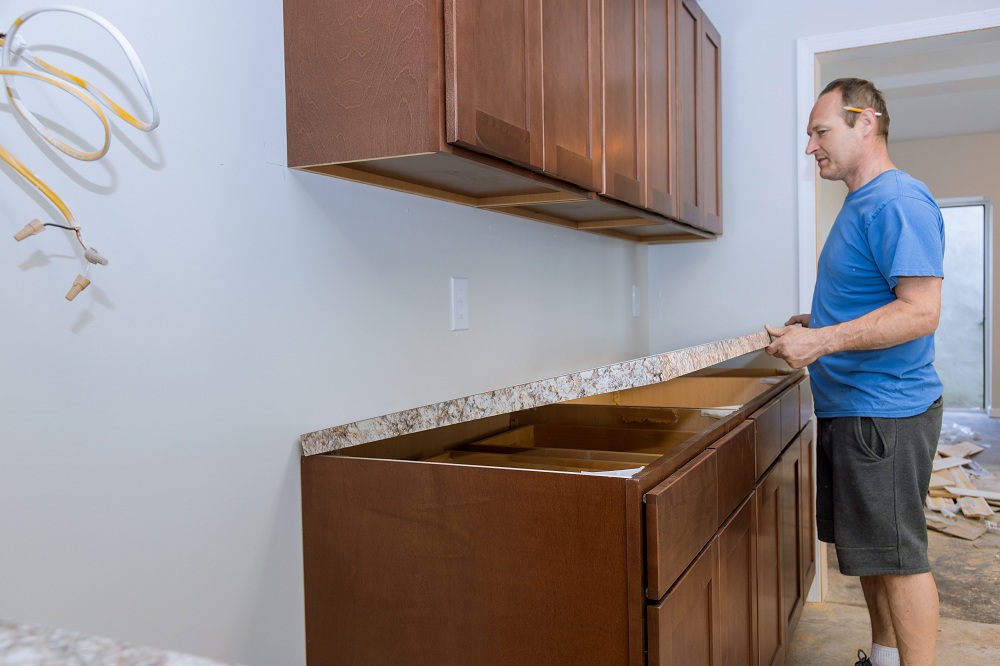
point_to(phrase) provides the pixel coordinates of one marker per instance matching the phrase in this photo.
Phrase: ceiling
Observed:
(936, 86)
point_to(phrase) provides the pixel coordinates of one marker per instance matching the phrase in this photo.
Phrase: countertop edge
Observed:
(615, 377)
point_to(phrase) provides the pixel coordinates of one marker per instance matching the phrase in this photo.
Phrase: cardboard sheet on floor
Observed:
(959, 450)
(962, 528)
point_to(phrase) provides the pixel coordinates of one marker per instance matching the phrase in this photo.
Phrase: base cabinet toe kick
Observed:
(667, 524)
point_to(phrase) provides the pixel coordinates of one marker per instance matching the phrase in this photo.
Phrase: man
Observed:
(869, 345)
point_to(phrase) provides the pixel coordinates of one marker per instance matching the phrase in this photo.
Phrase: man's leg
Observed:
(913, 605)
(878, 611)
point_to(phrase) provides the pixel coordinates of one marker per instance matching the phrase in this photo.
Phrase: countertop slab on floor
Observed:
(33, 645)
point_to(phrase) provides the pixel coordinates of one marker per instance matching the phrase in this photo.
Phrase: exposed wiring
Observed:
(15, 49)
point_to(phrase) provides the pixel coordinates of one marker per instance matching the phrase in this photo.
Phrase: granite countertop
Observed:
(32, 645)
(605, 379)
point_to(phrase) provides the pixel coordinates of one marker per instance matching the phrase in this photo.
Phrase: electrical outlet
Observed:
(635, 301)
(459, 304)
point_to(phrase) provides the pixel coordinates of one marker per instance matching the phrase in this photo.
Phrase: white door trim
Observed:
(807, 49)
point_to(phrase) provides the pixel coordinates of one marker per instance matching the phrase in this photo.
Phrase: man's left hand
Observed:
(795, 345)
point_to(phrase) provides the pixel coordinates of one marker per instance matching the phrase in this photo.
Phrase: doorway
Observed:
(962, 341)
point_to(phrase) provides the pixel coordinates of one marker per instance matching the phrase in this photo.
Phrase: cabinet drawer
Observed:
(682, 515)
(736, 466)
(789, 415)
(767, 421)
(805, 401)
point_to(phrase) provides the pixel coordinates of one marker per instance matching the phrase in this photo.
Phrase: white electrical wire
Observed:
(24, 53)
(15, 49)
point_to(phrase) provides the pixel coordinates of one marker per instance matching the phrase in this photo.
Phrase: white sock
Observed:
(884, 656)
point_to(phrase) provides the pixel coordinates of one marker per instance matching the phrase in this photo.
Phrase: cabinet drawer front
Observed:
(805, 401)
(767, 420)
(736, 461)
(682, 515)
(684, 627)
(789, 415)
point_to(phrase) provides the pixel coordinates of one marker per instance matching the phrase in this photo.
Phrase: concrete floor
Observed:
(968, 579)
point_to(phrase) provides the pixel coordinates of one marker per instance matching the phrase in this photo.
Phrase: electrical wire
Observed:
(15, 48)
(25, 173)
(12, 41)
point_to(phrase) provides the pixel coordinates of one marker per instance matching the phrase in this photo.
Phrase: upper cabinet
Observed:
(599, 115)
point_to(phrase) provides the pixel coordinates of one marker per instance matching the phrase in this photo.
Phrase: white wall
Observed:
(149, 430)
(749, 277)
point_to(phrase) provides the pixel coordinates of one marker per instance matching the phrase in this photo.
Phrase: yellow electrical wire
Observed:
(47, 134)
(26, 173)
(39, 185)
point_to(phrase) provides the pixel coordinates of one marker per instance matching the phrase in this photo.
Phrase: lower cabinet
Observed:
(632, 528)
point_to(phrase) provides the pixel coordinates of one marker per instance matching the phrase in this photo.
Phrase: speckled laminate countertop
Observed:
(615, 377)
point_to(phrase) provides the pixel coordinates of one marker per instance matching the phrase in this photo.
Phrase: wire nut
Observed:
(94, 257)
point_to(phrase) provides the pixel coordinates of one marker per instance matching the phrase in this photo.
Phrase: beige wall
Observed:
(952, 167)
(959, 166)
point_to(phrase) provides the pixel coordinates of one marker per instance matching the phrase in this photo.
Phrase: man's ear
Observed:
(868, 120)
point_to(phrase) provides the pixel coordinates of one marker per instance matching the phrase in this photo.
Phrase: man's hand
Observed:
(914, 313)
(796, 345)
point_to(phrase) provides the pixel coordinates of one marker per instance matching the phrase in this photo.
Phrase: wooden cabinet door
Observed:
(571, 90)
(432, 564)
(698, 106)
(770, 618)
(792, 514)
(661, 133)
(493, 67)
(683, 628)
(710, 134)
(738, 585)
(624, 101)
(523, 82)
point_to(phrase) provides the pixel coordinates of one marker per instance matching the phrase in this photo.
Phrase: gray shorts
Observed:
(872, 476)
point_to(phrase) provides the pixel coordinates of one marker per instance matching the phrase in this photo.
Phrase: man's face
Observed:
(834, 145)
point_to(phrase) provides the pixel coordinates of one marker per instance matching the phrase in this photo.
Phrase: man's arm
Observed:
(914, 314)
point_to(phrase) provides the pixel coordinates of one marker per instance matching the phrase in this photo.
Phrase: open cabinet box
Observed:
(640, 526)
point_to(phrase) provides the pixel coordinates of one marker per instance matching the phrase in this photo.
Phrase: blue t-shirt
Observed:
(889, 228)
